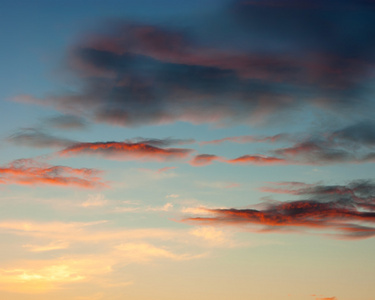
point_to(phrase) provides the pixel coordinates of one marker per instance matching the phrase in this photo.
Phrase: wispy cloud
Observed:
(66, 122)
(243, 139)
(97, 200)
(348, 211)
(32, 137)
(57, 245)
(204, 159)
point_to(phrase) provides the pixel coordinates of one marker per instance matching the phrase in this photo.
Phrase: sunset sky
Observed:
(178, 150)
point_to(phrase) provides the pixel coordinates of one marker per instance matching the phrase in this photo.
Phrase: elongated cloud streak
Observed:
(349, 211)
(29, 172)
(257, 160)
(127, 151)
(38, 139)
(245, 139)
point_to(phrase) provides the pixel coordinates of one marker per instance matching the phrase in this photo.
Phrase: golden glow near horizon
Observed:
(187, 150)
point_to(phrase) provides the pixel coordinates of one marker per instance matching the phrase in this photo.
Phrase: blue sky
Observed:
(174, 149)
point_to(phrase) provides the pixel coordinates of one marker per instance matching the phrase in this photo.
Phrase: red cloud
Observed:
(257, 160)
(29, 172)
(122, 150)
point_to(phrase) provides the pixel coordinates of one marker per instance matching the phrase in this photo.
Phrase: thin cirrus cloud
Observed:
(139, 74)
(343, 211)
(245, 139)
(66, 122)
(32, 137)
(31, 172)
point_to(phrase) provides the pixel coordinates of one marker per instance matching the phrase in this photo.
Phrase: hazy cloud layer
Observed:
(66, 122)
(347, 211)
(36, 138)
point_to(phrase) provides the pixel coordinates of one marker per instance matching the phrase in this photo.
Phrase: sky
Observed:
(205, 149)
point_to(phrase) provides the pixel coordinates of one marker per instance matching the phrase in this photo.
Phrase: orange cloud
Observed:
(122, 150)
(257, 160)
(30, 172)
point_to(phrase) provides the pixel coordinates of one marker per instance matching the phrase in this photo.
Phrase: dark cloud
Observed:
(351, 144)
(254, 60)
(315, 152)
(166, 142)
(363, 134)
(32, 137)
(31, 172)
(348, 210)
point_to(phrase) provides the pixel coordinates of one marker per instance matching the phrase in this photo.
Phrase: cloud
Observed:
(139, 252)
(172, 196)
(257, 160)
(166, 207)
(166, 142)
(45, 275)
(351, 144)
(259, 66)
(30, 172)
(88, 252)
(38, 139)
(126, 151)
(66, 122)
(348, 211)
(361, 134)
(165, 169)
(57, 245)
(204, 159)
(316, 152)
(245, 139)
(211, 235)
(97, 200)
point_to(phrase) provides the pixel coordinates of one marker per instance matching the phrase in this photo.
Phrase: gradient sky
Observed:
(202, 149)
